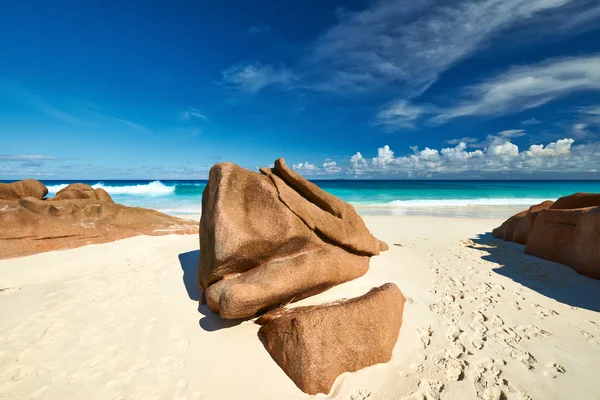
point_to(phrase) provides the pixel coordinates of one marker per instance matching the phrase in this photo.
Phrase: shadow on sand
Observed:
(210, 321)
(548, 278)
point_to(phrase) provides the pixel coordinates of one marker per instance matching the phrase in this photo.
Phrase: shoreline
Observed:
(460, 212)
(101, 321)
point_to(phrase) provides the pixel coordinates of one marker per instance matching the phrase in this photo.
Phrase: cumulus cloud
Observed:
(357, 162)
(306, 167)
(500, 155)
(255, 77)
(331, 167)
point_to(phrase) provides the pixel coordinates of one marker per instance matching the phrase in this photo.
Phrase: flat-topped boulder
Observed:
(566, 231)
(273, 237)
(314, 345)
(76, 216)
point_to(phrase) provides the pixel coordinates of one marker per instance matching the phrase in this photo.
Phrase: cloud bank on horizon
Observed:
(459, 89)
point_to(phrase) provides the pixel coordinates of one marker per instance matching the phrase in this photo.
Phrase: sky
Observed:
(381, 89)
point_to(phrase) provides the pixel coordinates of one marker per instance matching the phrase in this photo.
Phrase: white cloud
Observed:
(590, 115)
(254, 77)
(412, 43)
(531, 121)
(357, 163)
(581, 131)
(525, 87)
(331, 167)
(399, 114)
(193, 113)
(466, 139)
(590, 110)
(27, 157)
(499, 155)
(306, 167)
(384, 157)
(512, 133)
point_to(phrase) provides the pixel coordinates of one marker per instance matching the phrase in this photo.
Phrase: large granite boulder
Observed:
(79, 216)
(577, 200)
(567, 232)
(273, 237)
(78, 191)
(22, 189)
(518, 227)
(315, 344)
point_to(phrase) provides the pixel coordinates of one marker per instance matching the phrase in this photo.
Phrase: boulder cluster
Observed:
(271, 238)
(566, 231)
(78, 215)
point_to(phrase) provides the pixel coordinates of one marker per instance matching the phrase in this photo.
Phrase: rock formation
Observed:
(273, 237)
(315, 344)
(22, 189)
(270, 238)
(76, 216)
(518, 227)
(566, 231)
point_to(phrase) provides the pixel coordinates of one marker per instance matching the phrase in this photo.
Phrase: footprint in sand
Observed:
(431, 389)
(454, 369)
(530, 331)
(544, 312)
(478, 316)
(477, 342)
(524, 357)
(496, 320)
(586, 335)
(453, 333)
(489, 385)
(593, 324)
(554, 370)
(455, 350)
(361, 394)
(425, 338)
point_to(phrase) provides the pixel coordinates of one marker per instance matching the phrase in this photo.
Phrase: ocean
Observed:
(494, 199)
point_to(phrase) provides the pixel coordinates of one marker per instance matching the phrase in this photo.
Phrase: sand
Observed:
(121, 321)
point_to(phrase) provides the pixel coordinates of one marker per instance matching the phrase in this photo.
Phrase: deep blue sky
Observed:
(454, 89)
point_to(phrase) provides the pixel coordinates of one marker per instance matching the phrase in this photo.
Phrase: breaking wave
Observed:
(152, 188)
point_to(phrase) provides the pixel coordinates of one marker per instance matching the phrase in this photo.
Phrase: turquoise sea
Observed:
(458, 198)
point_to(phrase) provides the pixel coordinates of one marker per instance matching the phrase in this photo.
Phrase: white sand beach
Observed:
(122, 321)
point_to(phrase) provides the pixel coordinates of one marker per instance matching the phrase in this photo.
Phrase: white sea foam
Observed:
(458, 202)
(152, 188)
(52, 189)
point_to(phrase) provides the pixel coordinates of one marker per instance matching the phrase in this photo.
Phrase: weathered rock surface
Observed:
(315, 344)
(22, 189)
(566, 231)
(518, 227)
(79, 191)
(271, 238)
(77, 216)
